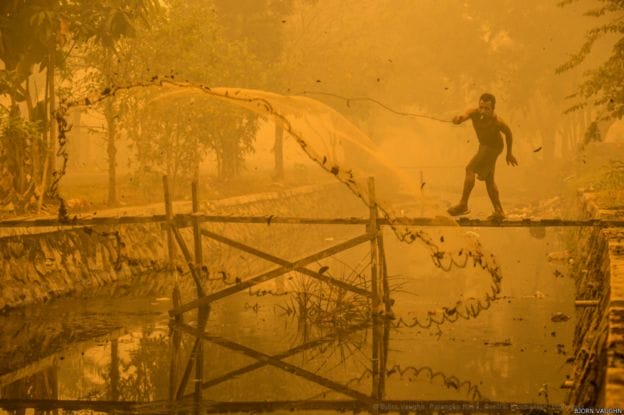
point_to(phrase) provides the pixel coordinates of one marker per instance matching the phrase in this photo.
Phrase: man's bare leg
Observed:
(462, 206)
(492, 190)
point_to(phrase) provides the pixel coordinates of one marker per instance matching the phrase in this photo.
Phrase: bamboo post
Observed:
(169, 217)
(201, 311)
(586, 303)
(196, 229)
(175, 342)
(385, 286)
(197, 238)
(186, 374)
(202, 319)
(174, 233)
(383, 338)
(383, 361)
(373, 231)
(176, 296)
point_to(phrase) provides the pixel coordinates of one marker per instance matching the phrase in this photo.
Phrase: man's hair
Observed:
(487, 97)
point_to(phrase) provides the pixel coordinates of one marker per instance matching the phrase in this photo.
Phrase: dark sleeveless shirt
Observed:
(488, 131)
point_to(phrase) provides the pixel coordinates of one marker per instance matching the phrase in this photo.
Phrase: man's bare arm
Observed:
(458, 119)
(511, 160)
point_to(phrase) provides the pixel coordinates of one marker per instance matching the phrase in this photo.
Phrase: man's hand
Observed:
(511, 160)
(457, 119)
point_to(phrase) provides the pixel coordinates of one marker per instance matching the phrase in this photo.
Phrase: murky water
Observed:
(120, 344)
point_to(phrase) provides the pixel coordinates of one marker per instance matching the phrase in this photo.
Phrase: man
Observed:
(488, 127)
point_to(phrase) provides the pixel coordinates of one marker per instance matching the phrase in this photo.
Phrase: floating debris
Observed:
(559, 317)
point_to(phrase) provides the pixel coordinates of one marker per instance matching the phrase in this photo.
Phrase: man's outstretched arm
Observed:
(458, 119)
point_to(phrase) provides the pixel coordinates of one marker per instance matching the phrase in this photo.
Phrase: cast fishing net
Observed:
(337, 146)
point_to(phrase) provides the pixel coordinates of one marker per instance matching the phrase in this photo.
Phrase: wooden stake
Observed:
(169, 218)
(373, 231)
(385, 286)
(196, 228)
(175, 342)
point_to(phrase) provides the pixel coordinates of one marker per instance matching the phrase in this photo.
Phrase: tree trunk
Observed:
(229, 159)
(35, 158)
(50, 127)
(111, 152)
(53, 124)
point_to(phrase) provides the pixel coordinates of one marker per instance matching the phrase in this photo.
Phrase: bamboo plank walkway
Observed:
(187, 220)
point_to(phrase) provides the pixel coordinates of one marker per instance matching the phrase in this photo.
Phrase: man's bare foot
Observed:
(458, 210)
(497, 215)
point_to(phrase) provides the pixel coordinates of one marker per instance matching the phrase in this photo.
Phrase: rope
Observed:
(384, 106)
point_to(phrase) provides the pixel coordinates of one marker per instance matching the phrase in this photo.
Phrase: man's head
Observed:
(487, 102)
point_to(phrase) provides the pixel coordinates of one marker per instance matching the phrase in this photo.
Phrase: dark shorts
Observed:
(484, 162)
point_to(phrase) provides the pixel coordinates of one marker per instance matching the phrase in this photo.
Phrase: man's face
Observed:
(485, 109)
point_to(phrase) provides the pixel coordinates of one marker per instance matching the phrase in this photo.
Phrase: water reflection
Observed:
(313, 349)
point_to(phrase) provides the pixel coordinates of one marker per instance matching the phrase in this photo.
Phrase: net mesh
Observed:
(337, 146)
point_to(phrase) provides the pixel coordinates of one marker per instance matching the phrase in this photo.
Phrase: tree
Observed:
(39, 35)
(260, 23)
(21, 53)
(602, 86)
(172, 132)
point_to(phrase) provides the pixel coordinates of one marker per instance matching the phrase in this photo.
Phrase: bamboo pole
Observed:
(269, 275)
(186, 375)
(202, 319)
(385, 287)
(373, 231)
(196, 229)
(383, 339)
(187, 256)
(202, 312)
(168, 217)
(176, 296)
(173, 231)
(186, 220)
(176, 340)
(586, 303)
(279, 261)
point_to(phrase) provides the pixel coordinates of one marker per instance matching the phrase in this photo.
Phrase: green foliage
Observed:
(603, 85)
(172, 133)
(40, 35)
(18, 140)
(259, 25)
